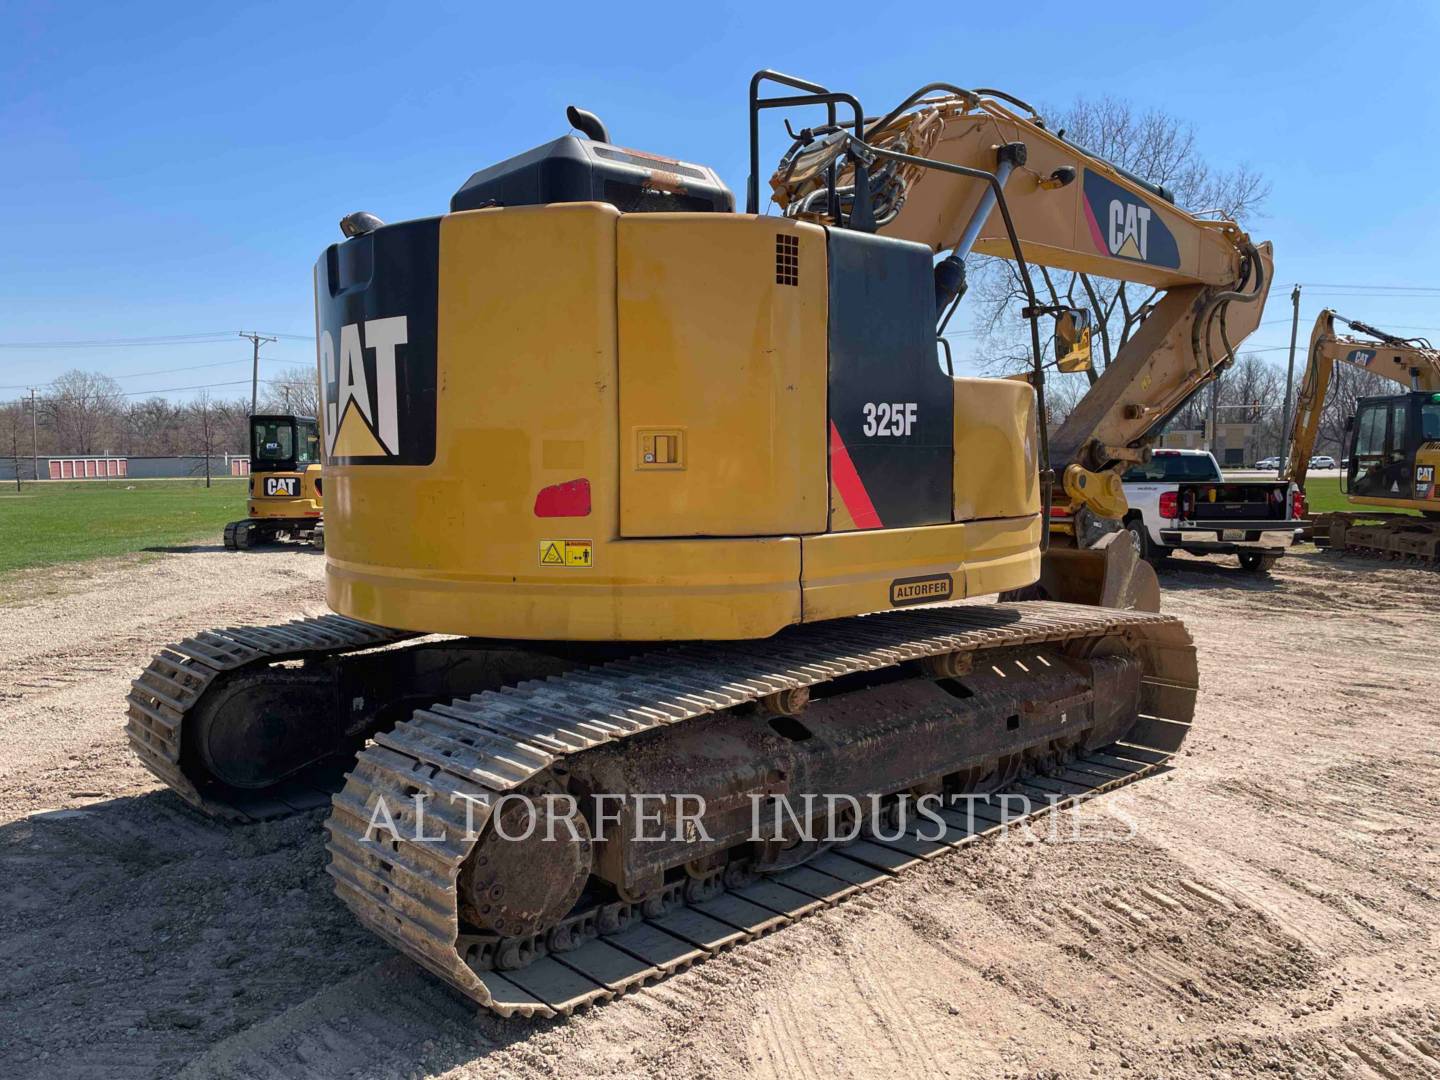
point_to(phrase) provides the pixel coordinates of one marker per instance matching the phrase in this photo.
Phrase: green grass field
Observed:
(59, 522)
(1324, 496)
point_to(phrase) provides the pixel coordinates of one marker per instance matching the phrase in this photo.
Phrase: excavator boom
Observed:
(1069, 210)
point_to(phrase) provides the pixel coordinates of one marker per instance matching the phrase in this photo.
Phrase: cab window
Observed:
(1163, 467)
(307, 443)
(273, 441)
(1370, 433)
(1430, 421)
(1399, 429)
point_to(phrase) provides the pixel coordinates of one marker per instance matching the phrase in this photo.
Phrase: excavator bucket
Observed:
(1111, 574)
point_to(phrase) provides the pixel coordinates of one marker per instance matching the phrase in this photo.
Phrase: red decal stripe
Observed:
(1095, 233)
(848, 483)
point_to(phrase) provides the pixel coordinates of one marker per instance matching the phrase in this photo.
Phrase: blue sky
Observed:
(175, 168)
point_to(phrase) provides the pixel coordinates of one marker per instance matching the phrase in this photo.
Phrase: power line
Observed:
(207, 337)
(162, 390)
(1382, 288)
(162, 371)
(1430, 296)
(256, 339)
(180, 389)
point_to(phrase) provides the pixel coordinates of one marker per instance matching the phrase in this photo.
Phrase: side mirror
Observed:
(1349, 423)
(1072, 340)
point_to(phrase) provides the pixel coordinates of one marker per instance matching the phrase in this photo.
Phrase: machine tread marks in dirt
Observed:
(660, 540)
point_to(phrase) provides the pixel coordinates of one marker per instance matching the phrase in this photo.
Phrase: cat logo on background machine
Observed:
(1360, 357)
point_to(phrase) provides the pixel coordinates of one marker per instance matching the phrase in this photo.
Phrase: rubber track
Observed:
(405, 890)
(175, 680)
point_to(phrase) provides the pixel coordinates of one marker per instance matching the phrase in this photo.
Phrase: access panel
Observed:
(891, 407)
(722, 375)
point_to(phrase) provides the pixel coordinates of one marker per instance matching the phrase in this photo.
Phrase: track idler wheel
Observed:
(517, 880)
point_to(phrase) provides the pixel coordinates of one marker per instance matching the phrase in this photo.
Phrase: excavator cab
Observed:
(1390, 455)
(283, 443)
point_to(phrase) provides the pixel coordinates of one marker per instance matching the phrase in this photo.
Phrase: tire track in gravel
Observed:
(144, 941)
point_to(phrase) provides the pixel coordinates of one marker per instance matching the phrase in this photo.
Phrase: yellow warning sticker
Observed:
(565, 552)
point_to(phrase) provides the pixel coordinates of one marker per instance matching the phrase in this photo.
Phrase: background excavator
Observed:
(691, 494)
(1392, 442)
(286, 492)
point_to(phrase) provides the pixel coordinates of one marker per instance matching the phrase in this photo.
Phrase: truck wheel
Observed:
(1257, 562)
(1154, 554)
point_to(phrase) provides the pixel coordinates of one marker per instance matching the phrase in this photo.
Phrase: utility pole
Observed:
(35, 434)
(253, 336)
(1289, 381)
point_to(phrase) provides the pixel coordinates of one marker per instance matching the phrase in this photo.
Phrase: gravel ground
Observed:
(1273, 913)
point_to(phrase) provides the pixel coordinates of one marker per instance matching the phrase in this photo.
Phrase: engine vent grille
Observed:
(787, 259)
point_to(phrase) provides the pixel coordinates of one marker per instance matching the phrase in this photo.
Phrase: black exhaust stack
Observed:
(587, 123)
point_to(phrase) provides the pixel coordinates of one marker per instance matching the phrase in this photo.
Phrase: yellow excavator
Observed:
(286, 491)
(690, 504)
(1393, 442)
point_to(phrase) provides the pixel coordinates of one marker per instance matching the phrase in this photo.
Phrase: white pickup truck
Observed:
(1179, 501)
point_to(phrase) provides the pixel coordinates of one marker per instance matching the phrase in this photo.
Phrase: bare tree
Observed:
(12, 424)
(1252, 392)
(155, 426)
(204, 430)
(1160, 149)
(83, 409)
(296, 392)
(1062, 394)
(1347, 386)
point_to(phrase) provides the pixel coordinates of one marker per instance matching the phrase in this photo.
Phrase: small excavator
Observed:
(682, 502)
(1393, 442)
(286, 492)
